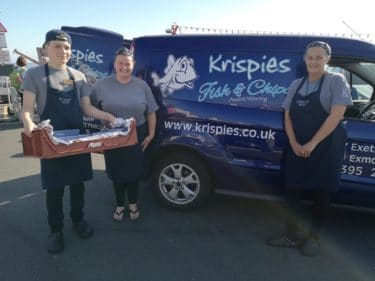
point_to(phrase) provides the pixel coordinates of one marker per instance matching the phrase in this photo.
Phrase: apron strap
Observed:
(320, 84)
(300, 85)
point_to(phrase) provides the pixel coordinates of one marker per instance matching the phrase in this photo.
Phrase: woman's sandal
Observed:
(119, 215)
(134, 215)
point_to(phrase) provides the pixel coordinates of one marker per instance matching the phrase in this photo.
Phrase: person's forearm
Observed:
(27, 118)
(333, 119)
(151, 122)
(93, 112)
(289, 129)
(27, 113)
(327, 128)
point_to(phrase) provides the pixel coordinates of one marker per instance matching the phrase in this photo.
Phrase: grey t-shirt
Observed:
(133, 99)
(35, 81)
(335, 91)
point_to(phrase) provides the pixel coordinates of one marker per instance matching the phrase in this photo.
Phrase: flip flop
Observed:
(134, 215)
(119, 215)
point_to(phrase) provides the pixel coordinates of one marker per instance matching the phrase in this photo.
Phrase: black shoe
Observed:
(311, 247)
(284, 241)
(83, 229)
(55, 243)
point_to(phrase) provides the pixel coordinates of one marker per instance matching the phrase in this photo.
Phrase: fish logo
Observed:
(179, 73)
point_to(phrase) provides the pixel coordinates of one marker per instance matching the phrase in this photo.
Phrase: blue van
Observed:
(220, 125)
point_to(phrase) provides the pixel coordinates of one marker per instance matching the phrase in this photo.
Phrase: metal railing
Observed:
(13, 105)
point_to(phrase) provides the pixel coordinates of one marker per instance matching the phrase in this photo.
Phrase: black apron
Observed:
(64, 111)
(322, 170)
(127, 164)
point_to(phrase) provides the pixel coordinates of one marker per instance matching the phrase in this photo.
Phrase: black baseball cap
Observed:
(58, 35)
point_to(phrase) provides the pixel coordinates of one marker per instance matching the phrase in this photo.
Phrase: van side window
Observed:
(361, 91)
(363, 105)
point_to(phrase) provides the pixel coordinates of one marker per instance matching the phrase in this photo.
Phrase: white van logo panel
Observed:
(179, 73)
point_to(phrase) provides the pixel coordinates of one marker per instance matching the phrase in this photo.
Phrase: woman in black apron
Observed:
(316, 149)
(63, 109)
(126, 96)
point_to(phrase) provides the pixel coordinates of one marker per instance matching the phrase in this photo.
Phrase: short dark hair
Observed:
(21, 61)
(324, 45)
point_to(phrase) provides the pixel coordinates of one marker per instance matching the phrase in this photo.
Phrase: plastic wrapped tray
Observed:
(41, 145)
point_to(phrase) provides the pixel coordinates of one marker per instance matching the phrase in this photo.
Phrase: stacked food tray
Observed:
(46, 144)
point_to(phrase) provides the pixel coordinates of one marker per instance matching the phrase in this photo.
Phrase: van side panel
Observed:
(93, 59)
(220, 97)
(226, 105)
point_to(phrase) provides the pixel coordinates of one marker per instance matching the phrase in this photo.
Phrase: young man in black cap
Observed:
(60, 93)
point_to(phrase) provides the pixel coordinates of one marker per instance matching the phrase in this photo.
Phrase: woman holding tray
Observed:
(60, 94)
(125, 96)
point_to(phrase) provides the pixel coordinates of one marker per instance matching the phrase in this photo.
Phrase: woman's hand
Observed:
(146, 142)
(297, 149)
(110, 118)
(307, 149)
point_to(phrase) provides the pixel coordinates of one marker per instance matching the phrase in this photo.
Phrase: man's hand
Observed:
(28, 128)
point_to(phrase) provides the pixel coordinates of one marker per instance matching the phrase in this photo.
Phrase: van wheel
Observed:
(181, 181)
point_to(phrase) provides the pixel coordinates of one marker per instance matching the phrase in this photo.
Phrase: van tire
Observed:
(190, 189)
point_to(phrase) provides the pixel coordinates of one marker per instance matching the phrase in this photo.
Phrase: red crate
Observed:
(40, 145)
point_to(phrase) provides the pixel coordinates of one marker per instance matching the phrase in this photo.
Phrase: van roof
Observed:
(91, 31)
(341, 47)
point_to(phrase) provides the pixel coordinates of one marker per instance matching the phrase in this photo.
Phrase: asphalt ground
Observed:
(224, 240)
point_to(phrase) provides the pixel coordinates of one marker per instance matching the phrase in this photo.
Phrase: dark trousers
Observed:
(131, 189)
(55, 205)
(319, 214)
